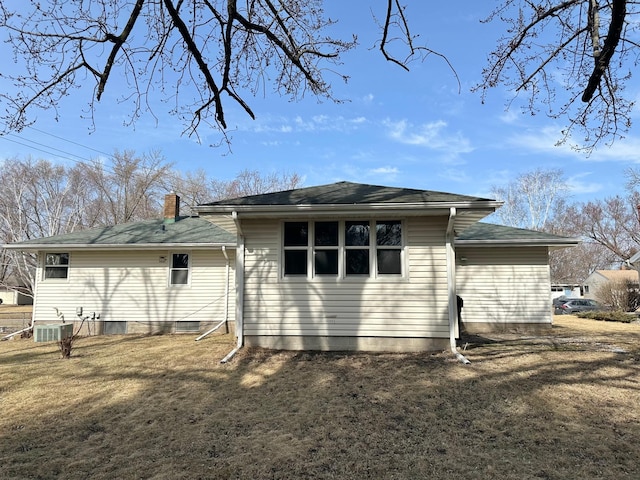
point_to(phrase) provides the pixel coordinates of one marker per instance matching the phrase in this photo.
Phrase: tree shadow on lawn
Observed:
(520, 410)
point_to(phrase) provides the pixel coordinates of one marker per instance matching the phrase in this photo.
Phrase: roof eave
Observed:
(116, 246)
(347, 209)
(570, 242)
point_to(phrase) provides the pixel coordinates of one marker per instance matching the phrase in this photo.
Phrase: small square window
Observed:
(295, 262)
(389, 233)
(56, 265)
(296, 234)
(357, 262)
(389, 262)
(326, 234)
(357, 234)
(326, 262)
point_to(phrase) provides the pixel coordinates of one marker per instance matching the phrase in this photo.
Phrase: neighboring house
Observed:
(343, 266)
(565, 290)
(13, 293)
(599, 278)
(8, 296)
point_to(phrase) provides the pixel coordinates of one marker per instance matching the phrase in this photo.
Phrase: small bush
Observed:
(610, 316)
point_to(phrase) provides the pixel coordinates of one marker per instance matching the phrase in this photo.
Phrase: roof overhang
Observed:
(468, 213)
(311, 210)
(110, 247)
(552, 244)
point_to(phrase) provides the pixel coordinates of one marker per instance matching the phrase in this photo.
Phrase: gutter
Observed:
(239, 289)
(451, 286)
(114, 246)
(420, 208)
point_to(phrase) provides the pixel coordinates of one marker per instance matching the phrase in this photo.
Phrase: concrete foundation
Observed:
(362, 344)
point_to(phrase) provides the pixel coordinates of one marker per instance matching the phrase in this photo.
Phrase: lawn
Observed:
(557, 406)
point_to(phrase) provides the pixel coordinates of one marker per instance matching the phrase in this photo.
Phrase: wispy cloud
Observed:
(432, 136)
(579, 186)
(545, 140)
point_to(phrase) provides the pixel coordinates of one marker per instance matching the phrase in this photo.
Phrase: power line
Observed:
(69, 141)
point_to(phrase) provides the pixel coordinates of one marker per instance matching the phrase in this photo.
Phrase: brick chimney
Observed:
(171, 207)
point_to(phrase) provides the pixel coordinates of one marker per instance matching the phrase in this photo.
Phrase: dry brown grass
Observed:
(563, 405)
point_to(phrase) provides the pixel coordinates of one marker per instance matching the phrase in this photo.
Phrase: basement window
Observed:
(56, 265)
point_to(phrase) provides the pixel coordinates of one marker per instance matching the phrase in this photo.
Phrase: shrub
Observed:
(608, 316)
(622, 294)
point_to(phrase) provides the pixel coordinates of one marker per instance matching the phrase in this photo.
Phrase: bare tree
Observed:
(201, 55)
(195, 188)
(572, 265)
(532, 199)
(197, 55)
(580, 48)
(611, 222)
(38, 199)
(128, 188)
(251, 182)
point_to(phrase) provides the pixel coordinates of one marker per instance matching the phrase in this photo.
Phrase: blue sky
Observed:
(411, 129)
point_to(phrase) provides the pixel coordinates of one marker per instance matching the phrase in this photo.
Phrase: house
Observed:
(566, 290)
(14, 296)
(599, 279)
(344, 266)
(172, 274)
(12, 292)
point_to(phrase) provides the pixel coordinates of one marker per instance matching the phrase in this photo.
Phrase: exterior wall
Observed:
(133, 287)
(504, 288)
(301, 313)
(8, 297)
(222, 221)
(592, 284)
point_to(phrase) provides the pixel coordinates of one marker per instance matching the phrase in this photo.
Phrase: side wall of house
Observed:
(130, 290)
(385, 313)
(504, 288)
(592, 284)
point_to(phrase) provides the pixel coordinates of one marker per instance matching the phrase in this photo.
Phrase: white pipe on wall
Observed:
(451, 285)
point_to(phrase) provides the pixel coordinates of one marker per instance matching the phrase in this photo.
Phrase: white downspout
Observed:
(451, 286)
(226, 300)
(239, 289)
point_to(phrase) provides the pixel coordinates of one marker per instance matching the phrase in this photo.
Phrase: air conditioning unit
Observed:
(52, 333)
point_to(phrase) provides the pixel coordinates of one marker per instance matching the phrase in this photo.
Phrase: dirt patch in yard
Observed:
(555, 406)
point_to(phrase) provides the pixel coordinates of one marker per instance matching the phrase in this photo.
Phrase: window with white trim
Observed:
(179, 270)
(56, 265)
(351, 248)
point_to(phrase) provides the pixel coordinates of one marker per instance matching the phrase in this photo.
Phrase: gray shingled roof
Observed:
(347, 193)
(487, 233)
(186, 231)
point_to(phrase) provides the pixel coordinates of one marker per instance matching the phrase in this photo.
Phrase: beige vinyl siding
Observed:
(223, 221)
(132, 286)
(412, 306)
(504, 285)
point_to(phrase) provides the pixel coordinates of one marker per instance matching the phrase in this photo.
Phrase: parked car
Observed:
(575, 305)
(560, 300)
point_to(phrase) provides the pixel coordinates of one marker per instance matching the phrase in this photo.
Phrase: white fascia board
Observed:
(435, 208)
(119, 246)
(571, 242)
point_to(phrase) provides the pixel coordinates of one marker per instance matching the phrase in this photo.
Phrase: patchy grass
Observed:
(562, 405)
